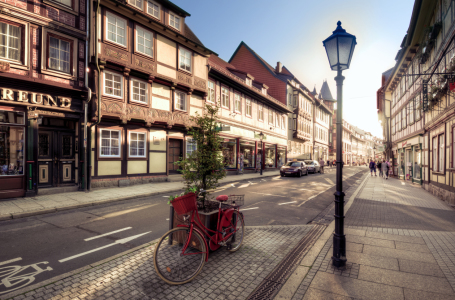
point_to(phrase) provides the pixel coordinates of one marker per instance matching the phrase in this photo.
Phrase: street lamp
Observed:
(339, 47)
(261, 137)
(374, 156)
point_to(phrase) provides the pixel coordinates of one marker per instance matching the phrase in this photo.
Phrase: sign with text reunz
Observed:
(12, 96)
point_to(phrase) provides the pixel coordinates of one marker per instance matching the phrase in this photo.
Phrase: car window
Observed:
(309, 162)
(293, 164)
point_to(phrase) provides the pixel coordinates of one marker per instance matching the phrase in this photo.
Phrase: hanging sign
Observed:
(452, 86)
(425, 95)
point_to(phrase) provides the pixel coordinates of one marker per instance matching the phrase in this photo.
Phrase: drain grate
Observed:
(273, 283)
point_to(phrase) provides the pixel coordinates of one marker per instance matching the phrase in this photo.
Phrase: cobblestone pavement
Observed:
(224, 276)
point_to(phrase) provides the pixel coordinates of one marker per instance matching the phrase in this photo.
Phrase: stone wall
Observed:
(441, 193)
(120, 182)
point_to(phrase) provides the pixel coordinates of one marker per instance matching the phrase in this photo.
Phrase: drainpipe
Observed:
(89, 97)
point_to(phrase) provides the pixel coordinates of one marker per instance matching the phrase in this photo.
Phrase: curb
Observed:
(19, 215)
(308, 260)
(74, 272)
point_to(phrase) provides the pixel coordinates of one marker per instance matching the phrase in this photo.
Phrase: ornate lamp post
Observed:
(261, 137)
(339, 47)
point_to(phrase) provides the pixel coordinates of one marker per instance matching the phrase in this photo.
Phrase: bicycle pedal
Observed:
(229, 246)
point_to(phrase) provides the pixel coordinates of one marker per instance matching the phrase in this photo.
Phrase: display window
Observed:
(259, 155)
(416, 164)
(11, 143)
(247, 150)
(270, 156)
(230, 153)
(281, 159)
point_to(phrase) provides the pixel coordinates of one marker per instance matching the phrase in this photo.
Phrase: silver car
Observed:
(313, 166)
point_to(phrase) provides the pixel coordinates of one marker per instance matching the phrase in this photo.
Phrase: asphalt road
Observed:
(53, 244)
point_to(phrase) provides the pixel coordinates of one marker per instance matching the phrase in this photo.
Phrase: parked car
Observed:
(313, 166)
(297, 168)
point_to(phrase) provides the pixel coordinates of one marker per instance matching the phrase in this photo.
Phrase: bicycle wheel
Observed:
(173, 266)
(237, 239)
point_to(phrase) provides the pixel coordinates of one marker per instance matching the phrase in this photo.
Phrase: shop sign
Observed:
(157, 140)
(226, 140)
(25, 97)
(403, 144)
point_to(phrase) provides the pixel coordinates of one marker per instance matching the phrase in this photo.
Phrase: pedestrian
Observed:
(321, 162)
(379, 164)
(385, 169)
(328, 163)
(334, 163)
(372, 168)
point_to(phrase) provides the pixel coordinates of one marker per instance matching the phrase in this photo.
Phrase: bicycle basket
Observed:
(235, 200)
(184, 204)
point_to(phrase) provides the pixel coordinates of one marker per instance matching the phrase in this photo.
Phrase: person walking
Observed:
(334, 162)
(321, 162)
(328, 163)
(385, 169)
(372, 168)
(379, 164)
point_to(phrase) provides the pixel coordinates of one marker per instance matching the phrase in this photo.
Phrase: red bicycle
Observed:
(182, 252)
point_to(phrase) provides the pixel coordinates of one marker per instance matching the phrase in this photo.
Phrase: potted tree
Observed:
(204, 167)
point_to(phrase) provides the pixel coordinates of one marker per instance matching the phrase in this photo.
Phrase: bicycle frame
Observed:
(204, 231)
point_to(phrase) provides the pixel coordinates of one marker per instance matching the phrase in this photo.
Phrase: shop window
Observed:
(138, 91)
(185, 59)
(144, 41)
(282, 156)
(270, 156)
(441, 153)
(230, 153)
(137, 144)
(153, 9)
(416, 166)
(224, 97)
(260, 113)
(191, 147)
(237, 103)
(113, 84)
(10, 41)
(116, 29)
(137, 3)
(180, 101)
(109, 143)
(211, 93)
(59, 54)
(248, 107)
(11, 143)
(174, 21)
(247, 150)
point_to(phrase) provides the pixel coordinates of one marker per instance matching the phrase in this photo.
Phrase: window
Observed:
(65, 2)
(289, 99)
(153, 9)
(144, 41)
(277, 121)
(270, 116)
(237, 103)
(185, 60)
(248, 81)
(260, 113)
(137, 3)
(403, 118)
(191, 146)
(10, 41)
(224, 97)
(264, 91)
(12, 137)
(211, 94)
(435, 154)
(59, 54)
(174, 21)
(113, 84)
(110, 143)
(248, 107)
(116, 29)
(411, 111)
(138, 91)
(283, 122)
(418, 108)
(441, 153)
(180, 101)
(137, 144)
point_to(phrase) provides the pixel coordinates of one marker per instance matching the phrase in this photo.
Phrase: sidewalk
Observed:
(23, 207)
(400, 245)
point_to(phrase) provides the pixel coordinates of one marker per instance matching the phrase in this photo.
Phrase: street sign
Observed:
(425, 95)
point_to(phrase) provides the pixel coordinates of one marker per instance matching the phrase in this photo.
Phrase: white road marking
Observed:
(232, 185)
(166, 196)
(109, 233)
(116, 214)
(271, 221)
(244, 186)
(287, 203)
(329, 180)
(122, 241)
(313, 197)
(10, 261)
(316, 195)
(249, 208)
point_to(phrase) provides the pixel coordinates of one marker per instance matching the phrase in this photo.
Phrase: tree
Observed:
(203, 168)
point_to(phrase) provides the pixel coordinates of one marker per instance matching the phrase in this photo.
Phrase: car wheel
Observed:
(300, 174)
(306, 173)
(282, 175)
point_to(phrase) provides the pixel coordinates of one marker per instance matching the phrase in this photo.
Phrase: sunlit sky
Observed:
(292, 31)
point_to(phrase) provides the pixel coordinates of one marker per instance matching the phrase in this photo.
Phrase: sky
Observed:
(292, 31)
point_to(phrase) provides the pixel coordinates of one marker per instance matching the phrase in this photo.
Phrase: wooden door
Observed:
(175, 152)
(65, 158)
(45, 159)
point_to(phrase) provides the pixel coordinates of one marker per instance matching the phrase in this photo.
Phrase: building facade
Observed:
(42, 94)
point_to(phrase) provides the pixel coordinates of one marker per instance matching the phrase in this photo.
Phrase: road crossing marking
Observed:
(287, 203)
(109, 233)
(10, 261)
(122, 241)
(270, 222)
(316, 195)
(249, 208)
(329, 180)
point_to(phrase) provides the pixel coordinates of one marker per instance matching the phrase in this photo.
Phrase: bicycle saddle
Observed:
(222, 198)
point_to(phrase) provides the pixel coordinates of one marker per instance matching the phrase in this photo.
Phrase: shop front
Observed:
(39, 142)
(409, 160)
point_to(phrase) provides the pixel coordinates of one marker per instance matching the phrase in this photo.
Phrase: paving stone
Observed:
(412, 247)
(417, 267)
(370, 241)
(315, 294)
(406, 280)
(395, 253)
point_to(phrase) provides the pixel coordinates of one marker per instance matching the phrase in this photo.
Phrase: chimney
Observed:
(279, 67)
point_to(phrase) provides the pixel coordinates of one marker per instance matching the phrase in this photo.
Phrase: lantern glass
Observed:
(332, 52)
(340, 47)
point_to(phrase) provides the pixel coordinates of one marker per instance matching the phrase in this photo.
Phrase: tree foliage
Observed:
(203, 168)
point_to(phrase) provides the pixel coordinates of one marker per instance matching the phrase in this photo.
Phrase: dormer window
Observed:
(264, 91)
(174, 21)
(153, 9)
(249, 81)
(137, 3)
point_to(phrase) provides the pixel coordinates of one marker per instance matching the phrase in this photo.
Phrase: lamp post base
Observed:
(339, 238)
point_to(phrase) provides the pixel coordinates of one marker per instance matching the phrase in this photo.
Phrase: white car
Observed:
(313, 166)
